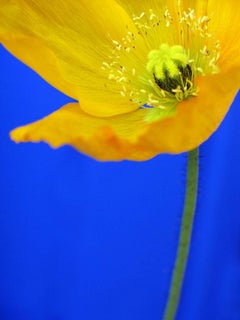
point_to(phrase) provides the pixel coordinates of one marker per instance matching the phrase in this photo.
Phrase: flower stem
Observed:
(185, 235)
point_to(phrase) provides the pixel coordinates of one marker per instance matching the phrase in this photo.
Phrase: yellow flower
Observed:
(150, 76)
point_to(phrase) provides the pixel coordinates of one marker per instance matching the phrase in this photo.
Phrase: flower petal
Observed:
(137, 7)
(197, 118)
(104, 139)
(223, 25)
(78, 35)
(43, 61)
(128, 136)
(225, 19)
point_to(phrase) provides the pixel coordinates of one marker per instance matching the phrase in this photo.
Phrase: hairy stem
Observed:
(185, 235)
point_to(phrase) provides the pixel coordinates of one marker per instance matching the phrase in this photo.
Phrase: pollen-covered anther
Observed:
(152, 100)
(168, 18)
(147, 21)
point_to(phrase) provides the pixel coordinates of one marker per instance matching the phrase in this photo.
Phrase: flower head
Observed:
(150, 77)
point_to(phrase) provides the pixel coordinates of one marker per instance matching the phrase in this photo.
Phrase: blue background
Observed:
(84, 240)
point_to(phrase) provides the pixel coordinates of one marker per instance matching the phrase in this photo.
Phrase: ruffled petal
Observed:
(78, 35)
(128, 136)
(101, 138)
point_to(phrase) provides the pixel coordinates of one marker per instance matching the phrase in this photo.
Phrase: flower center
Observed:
(170, 69)
(155, 64)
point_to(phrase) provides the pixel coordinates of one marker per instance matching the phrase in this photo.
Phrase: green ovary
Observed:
(169, 67)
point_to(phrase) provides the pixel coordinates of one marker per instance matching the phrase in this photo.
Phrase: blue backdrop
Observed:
(84, 240)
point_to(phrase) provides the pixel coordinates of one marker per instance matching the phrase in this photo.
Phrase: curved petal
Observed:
(225, 19)
(81, 27)
(43, 61)
(78, 35)
(197, 118)
(128, 136)
(101, 138)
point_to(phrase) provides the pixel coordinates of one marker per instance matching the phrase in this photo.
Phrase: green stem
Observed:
(185, 235)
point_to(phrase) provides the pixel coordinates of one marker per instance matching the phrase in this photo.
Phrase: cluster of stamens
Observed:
(164, 81)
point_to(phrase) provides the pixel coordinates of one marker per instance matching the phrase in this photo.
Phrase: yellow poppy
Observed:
(150, 76)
